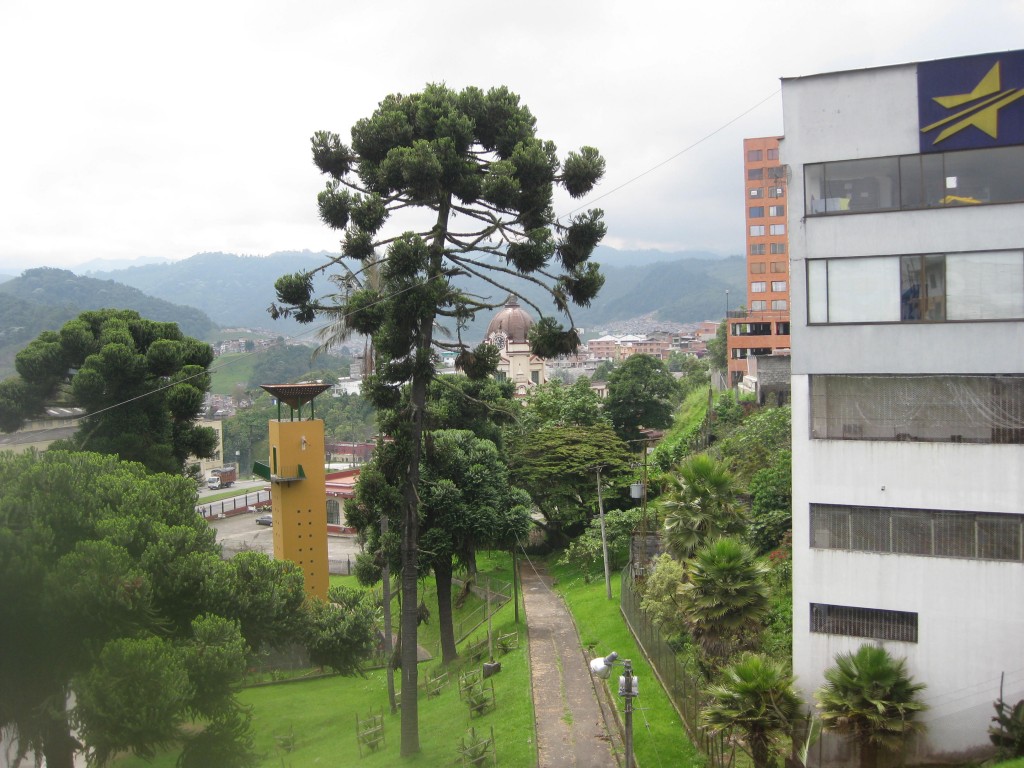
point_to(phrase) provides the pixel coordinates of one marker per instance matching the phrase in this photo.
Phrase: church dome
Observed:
(512, 322)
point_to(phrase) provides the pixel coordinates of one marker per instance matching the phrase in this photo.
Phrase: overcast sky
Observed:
(164, 129)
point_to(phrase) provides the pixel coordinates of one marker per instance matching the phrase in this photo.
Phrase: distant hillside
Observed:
(679, 287)
(44, 299)
(234, 291)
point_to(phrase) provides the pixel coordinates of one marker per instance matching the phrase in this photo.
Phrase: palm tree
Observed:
(869, 697)
(702, 505)
(724, 597)
(340, 329)
(755, 696)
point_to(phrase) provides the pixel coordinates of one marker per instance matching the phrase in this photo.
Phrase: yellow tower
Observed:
(296, 474)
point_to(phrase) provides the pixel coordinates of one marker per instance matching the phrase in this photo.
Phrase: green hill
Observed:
(46, 298)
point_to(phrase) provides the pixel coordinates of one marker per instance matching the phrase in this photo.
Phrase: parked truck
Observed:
(223, 477)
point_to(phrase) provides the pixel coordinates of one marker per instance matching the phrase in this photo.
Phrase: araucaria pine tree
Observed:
(478, 184)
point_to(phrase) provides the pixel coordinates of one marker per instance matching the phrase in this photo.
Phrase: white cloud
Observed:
(137, 129)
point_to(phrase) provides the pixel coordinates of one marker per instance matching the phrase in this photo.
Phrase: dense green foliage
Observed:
(642, 394)
(557, 465)
(771, 502)
(718, 348)
(115, 592)
(456, 157)
(700, 506)
(750, 443)
(586, 552)
(755, 696)
(724, 597)
(140, 382)
(869, 697)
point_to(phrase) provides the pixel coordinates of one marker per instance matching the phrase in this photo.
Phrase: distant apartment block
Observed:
(760, 326)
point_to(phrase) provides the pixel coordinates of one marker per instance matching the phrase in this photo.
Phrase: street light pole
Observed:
(628, 688)
(628, 692)
(604, 537)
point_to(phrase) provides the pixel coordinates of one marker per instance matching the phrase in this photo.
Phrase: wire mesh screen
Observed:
(925, 532)
(976, 409)
(863, 622)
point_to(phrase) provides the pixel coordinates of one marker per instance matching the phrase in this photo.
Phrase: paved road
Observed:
(241, 532)
(571, 730)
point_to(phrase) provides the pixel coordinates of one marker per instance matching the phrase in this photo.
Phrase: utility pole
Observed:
(604, 537)
(627, 688)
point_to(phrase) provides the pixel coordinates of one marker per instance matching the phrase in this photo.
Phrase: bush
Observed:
(585, 551)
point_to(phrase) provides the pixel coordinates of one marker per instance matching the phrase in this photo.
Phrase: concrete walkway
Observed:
(571, 730)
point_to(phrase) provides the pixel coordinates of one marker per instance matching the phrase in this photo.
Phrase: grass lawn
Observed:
(313, 722)
(230, 370)
(659, 738)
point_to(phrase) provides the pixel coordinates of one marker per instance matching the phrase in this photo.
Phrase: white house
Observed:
(906, 219)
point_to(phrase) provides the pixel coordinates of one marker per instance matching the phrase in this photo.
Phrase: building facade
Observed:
(907, 261)
(761, 325)
(509, 331)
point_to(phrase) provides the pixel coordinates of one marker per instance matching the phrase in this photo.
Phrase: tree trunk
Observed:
(410, 501)
(868, 754)
(59, 745)
(443, 580)
(410, 555)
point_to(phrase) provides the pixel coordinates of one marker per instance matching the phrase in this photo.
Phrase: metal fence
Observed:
(233, 506)
(683, 688)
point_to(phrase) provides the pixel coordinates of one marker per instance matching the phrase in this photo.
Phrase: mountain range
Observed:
(219, 290)
(235, 291)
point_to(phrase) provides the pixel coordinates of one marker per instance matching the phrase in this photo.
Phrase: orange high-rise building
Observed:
(761, 326)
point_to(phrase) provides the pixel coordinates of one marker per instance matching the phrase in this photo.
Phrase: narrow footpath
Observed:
(571, 731)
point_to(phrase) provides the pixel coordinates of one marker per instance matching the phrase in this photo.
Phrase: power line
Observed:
(610, 192)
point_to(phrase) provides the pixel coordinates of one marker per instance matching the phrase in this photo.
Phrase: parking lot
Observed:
(240, 533)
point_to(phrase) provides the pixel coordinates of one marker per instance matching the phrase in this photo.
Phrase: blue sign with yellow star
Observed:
(972, 102)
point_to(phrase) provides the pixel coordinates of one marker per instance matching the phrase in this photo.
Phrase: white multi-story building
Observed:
(906, 229)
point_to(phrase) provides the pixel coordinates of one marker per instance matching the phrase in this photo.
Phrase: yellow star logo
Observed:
(985, 101)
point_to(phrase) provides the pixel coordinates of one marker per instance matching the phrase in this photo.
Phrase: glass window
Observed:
(862, 290)
(985, 286)
(776, 210)
(984, 176)
(757, 230)
(778, 286)
(777, 229)
(921, 183)
(779, 305)
(757, 287)
(756, 211)
(923, 287)
(754, 155)
(758, 306)
(755, 174)
(782, 329)
(932, 287)
(776, 191)
(773, 154)
(778, 248)
(757, 192)
(852, 185)
(757, 267)
(817, 291)
(757, 249)
(969, 177)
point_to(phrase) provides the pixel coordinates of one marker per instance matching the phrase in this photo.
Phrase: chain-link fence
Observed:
(683, 688)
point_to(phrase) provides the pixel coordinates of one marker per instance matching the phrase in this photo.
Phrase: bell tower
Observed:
(296, 473)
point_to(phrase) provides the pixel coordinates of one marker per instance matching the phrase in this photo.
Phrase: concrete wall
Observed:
(970, 612)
